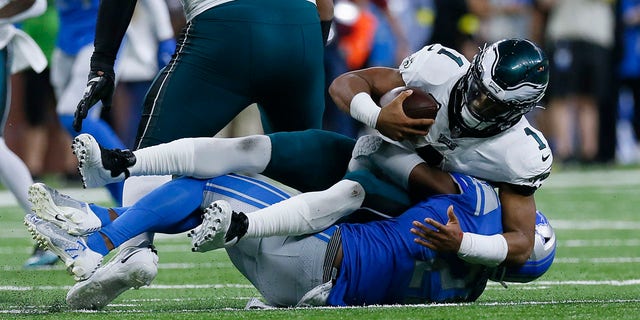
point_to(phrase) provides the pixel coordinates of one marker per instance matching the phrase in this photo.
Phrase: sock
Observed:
(204, 157)
(307, 212)
(15, 175)
(97, 243)
(163, 208)
(103, 213)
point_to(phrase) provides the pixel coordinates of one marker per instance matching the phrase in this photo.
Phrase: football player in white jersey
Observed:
(477, 118)
(480, 129)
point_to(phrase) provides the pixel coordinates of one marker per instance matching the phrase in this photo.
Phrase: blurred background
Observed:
(590, 114)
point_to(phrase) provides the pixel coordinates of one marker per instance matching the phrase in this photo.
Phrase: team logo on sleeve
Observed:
(407, 62)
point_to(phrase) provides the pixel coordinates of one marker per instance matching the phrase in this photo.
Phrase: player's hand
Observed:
(395, 124)
(99, 88)
(445, 238)
(166, 48)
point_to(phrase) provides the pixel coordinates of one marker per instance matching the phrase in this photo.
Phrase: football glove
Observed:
(166, 48)
(99, 88)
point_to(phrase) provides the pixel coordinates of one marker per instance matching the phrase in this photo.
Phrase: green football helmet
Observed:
(505, 81)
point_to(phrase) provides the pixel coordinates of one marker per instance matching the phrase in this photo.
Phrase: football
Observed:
(9, 9)
(419, 105)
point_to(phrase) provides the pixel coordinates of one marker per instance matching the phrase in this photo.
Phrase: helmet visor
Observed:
(483, 105)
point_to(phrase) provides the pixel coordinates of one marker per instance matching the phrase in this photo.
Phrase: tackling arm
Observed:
(518, 223)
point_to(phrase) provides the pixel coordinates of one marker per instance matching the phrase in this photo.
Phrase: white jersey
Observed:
(519, 155)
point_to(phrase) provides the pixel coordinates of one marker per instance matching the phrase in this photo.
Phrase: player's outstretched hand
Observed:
(395, 124)
(444, 238)
(99, 88)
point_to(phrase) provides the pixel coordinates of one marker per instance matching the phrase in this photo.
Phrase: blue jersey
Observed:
(77, 24)
(383, 265)
(630, 63)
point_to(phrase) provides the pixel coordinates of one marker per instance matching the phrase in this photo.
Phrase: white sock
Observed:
(307, 212)
(15, 175)
(204, 157)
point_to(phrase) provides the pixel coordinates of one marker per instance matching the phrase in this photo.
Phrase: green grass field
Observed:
(596, 274)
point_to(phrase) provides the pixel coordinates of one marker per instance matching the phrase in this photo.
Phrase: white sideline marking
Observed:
(598, 260)
(594, 225)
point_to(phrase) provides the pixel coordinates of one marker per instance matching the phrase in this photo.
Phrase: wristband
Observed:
(485, 250)
(363, 109)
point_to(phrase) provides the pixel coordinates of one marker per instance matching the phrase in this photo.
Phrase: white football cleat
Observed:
(211, 234)
(79, 259)
(132, 267)
(76, 217)
(99, 166)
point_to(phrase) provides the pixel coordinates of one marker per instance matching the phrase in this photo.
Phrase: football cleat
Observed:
(75, 217)
(79, 259)
(40, 259)
(220, 228)
(132, 267)
(99, 166)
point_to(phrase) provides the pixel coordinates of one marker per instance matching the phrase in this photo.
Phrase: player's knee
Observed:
(330, 205)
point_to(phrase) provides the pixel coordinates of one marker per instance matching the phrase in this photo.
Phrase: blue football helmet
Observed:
(544, 251)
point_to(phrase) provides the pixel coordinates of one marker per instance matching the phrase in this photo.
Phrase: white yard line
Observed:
(614, 283)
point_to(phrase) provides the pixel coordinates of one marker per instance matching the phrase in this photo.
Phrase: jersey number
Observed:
(530, 132)
(450, 54)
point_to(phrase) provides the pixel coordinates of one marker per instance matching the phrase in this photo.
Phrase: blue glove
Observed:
(166, 48)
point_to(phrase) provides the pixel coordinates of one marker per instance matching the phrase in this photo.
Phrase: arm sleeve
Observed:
(113, 19)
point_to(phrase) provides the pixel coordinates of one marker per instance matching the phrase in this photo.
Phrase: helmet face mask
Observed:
(504, 82)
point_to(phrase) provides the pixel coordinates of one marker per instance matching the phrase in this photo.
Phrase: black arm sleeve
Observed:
(113, 19)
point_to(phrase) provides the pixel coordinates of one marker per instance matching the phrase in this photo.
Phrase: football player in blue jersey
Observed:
(74, 44)
(332, 267)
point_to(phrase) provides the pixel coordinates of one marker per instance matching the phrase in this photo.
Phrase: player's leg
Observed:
(290, 80)
(283, 269)
(153, 213)
(14, 174)
(285, 156)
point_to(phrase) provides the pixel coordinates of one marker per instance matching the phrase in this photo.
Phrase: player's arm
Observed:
(325, 11)
(113, 20)
(518, 222)
(512, 247)
(355, 93)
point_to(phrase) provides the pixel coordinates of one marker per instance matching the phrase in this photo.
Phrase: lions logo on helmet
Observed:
(504, 82)
(544, 251)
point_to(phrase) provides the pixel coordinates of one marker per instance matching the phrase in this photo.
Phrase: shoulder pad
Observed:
(433, 66)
